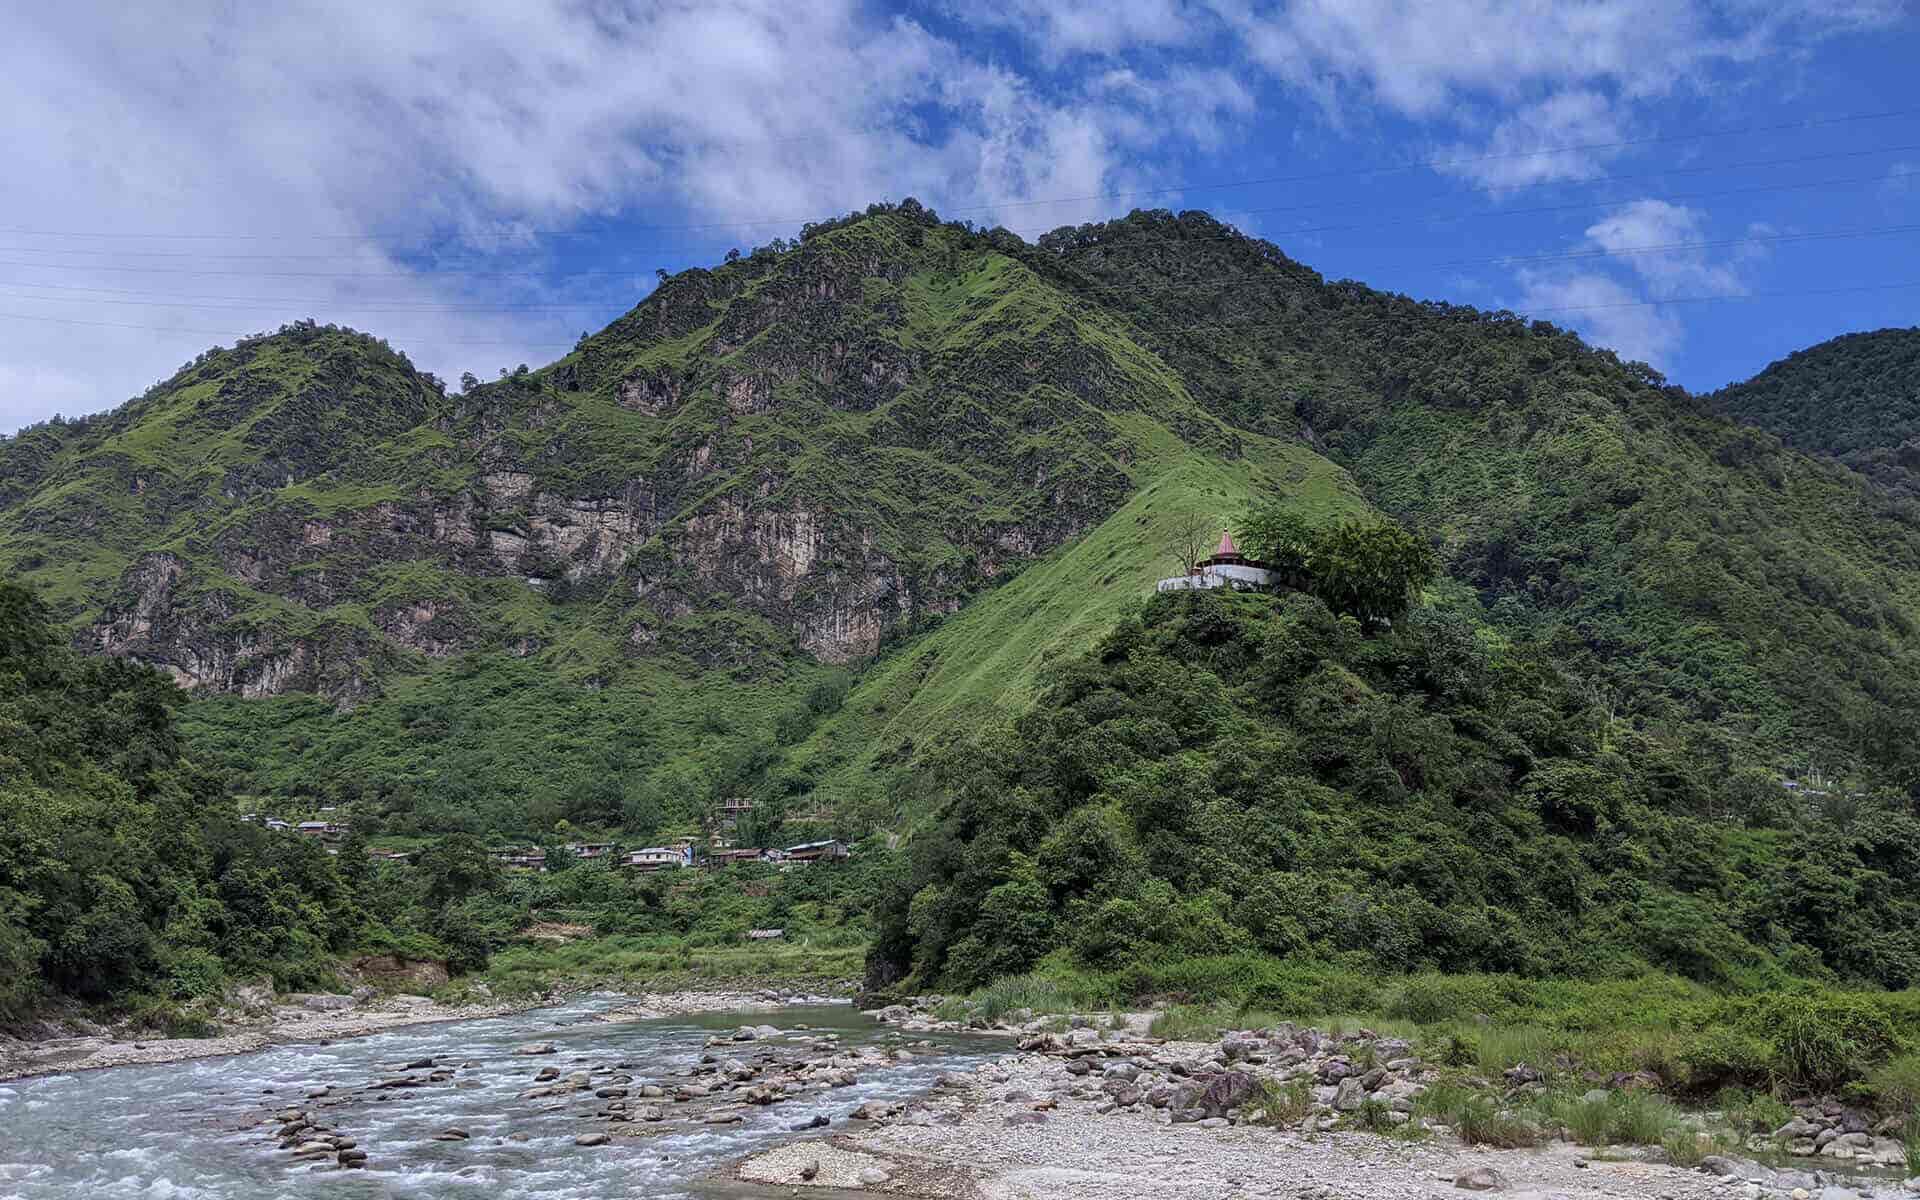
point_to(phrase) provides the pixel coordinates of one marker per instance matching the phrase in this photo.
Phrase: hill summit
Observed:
(795, 518)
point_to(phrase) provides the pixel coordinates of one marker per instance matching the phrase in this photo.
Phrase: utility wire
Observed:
(1251, 325)
(1170, 189)
(168, 300)
(504, 273)
(1029, 232)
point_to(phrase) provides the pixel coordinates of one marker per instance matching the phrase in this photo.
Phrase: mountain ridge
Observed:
(813, 457)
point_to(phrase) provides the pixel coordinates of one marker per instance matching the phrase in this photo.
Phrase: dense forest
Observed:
(1856, 398)
(1230, 773)
(128, 880)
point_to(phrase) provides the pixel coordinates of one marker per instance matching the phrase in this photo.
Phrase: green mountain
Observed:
(1254, 778)
(1856, 398)
(795, 521)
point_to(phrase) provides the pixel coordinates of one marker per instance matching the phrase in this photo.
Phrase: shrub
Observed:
(1035, 992)
(1895, 1084)
(1282, 1105)
(1481, 1122)
(1824, 1042)
(192, 973)
(1686, 1147)
(168, 1019)
(1458, 1051)
(1752, 1112)
(1723, 1057)
(1430, 999)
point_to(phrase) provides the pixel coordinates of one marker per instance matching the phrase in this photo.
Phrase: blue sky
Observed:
(1706, 186)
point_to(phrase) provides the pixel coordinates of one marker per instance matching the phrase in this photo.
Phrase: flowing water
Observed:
(185, 1131)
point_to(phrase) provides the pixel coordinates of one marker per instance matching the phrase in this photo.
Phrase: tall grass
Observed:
(1282, 1105)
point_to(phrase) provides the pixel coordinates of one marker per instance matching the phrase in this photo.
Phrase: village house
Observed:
(766, 935)
(325, 830)
(588, 851)
(728, 858)
(396, 856)
(729, 813)
(658, 858)
(1226, 567)
(518, 859)
(809, 853)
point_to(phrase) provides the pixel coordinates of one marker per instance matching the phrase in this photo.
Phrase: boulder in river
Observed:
(535, 1048)
(591, 1139)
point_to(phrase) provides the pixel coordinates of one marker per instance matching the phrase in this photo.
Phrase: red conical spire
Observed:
(1226, 545)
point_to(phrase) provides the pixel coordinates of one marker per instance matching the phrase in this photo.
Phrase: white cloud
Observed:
(1649, 236)
(1659, 246)
(1509, 155)
(384, 123)
(1901, 185)
(1512, 74)
(1606, 313)
(1059, 29)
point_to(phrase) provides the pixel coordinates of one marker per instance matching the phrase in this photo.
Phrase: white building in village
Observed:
(1225, 568)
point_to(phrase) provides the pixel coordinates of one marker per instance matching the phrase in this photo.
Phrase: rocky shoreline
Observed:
(1091, 1114)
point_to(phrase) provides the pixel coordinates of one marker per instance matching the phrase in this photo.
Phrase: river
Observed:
(189, 1131)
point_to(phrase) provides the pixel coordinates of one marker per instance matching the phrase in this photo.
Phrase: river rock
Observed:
(326, 1003)
(1480, 1179)
(591, 1139)
(1350, 1095)
(452, 1133)
(535, 1048)
(1226, 1092)
(1728, 1166)
(873, 1177)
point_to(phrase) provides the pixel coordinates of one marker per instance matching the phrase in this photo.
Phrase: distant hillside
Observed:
(1856, 397)
(795, 519)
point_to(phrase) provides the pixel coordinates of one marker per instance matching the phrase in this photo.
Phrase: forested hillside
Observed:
(1257, 775)
(1856, 398)
(795, 522)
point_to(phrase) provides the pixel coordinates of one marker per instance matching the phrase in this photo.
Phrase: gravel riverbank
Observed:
(1116, 1116)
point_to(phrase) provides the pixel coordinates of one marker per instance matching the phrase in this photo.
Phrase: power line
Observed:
(1169, 189)
(1250, 325)
(234, 333)
(1132, 242)
(1031, 231)
(167, 300)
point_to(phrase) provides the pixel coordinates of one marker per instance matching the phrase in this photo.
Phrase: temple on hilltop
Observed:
(1226, 567)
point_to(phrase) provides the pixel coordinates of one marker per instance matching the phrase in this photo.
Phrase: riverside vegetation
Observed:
(858, 527)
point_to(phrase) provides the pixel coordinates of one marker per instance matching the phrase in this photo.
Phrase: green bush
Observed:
(1823, 1042)
(1282, 1105)
(158, 1014)
(1724, 1057)
(1430, 999)
(192, 973)
(1895, 1084)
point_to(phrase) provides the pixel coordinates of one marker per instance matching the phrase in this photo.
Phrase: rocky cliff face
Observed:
(837, 440)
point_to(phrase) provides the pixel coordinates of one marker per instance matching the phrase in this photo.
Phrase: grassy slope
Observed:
(985, 663)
